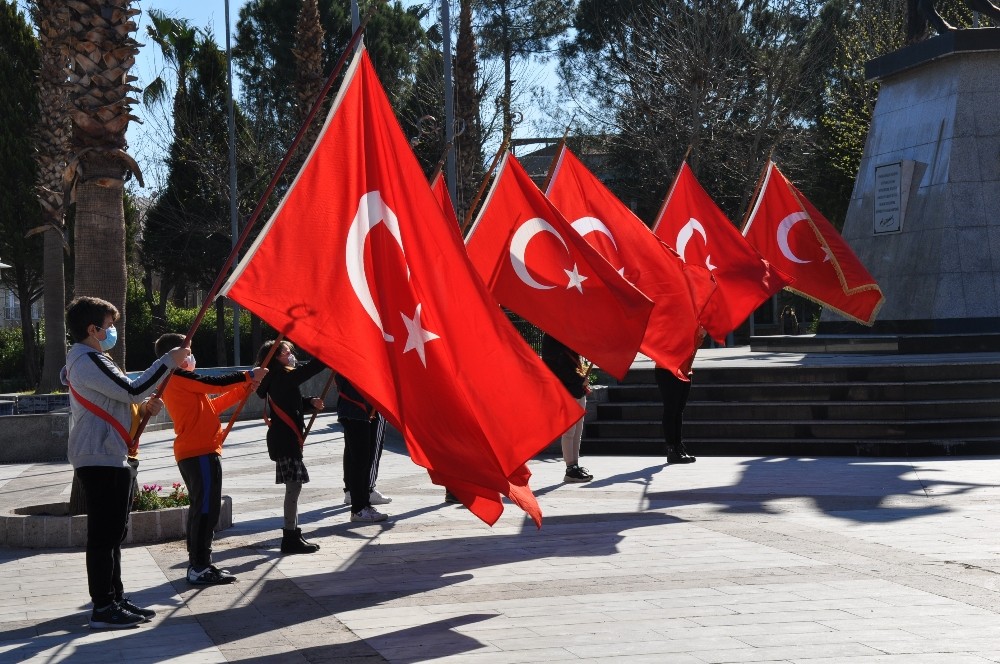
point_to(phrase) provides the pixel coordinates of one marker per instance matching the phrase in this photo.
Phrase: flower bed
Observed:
(51, 526)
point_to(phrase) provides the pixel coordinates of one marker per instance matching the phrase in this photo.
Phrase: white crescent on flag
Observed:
(519, 246)
(784, 228)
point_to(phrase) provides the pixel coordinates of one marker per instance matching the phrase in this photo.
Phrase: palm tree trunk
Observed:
(100, 238)
(55, 301)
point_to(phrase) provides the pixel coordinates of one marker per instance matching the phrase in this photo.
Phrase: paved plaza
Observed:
(731, 559)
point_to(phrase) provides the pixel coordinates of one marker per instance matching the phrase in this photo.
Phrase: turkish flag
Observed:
(693, 224)
(813, 252)
(360, 267)
(540, 268)
(440, 189)
(678, 294)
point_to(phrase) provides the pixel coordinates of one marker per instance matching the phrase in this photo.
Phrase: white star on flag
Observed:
(416, 335)
(575, 278)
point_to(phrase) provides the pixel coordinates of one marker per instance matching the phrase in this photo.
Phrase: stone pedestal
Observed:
(924, 217)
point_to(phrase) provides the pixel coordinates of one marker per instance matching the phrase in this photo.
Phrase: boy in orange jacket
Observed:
(198, 451)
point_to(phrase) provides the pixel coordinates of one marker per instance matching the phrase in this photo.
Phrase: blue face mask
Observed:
(110, 338)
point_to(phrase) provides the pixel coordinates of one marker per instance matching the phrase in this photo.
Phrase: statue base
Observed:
(923, 217)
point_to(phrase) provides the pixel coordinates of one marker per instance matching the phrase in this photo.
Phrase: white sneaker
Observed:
(369, 515)
(376, 497)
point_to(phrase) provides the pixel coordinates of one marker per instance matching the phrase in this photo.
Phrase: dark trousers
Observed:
(360, 442)
(109, 499)
(379, 424)
(674, 394)
(203, 477)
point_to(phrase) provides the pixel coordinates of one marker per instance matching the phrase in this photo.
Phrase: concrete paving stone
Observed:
(771, 618)
(868, 638)
(926, 658)
(694, 646)
(615, 569)
(839, 652)
(667, 627)
(512, 657)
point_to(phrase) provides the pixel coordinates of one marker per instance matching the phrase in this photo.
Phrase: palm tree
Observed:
(178, 41)
(102, 52)
(52, 19)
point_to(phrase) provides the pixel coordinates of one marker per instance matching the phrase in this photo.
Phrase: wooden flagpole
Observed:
(756, 190)
(439, 168)
(243, 401)
(322, 396)
(670, 192)
(252, 220)
(482, 187)
(555, 159)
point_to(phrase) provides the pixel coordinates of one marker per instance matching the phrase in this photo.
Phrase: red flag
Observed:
(823, 265)
(360, 267)
(540, 268)
(693, 224)
(440, 189)
(654, 268)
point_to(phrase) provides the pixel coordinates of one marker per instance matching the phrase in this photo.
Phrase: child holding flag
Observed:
(286, 432)
(104, 403)
(198, 450)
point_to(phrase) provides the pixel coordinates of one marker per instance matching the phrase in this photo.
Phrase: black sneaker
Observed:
(146, 614)
(451, 498)
(577, 474)
(114, 616)
(210, 576)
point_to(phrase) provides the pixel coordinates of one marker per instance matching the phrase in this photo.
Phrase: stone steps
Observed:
(881, 409)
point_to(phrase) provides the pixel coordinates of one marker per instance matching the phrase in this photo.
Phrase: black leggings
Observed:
(674, 394)
(108, 490)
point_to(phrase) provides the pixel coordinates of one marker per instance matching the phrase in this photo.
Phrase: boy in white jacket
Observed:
(103, 417)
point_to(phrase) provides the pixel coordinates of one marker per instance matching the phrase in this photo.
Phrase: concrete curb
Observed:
(48, 526)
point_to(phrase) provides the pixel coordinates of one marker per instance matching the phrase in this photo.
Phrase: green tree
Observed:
(519, 29)
(264, 53)
(468, 99)
(19, 209)
(54, 128)
(730, 79)
(186, 236)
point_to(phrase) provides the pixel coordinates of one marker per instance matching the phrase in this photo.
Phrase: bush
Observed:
(142, 333)
(12, 360)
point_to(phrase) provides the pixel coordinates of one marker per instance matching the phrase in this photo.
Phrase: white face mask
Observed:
(190, 363)
(291, 361)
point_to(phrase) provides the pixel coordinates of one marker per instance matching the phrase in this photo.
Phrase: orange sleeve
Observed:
(231, 395)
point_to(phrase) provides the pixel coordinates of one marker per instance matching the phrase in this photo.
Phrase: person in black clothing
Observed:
(789, 321)
(568, 367)
(286, 432)
(364, 428)
(674, 394)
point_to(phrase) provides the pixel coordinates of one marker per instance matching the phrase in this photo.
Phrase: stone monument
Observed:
(924, 216)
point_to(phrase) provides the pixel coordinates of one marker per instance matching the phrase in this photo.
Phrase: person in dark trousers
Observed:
(283, 398)
(105, 406)
(567, 365)
(363, 427)
(674, 395)
(198, 450)
(789, 321)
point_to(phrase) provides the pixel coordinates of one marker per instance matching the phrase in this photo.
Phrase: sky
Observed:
(149, 140)
(146, 140)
